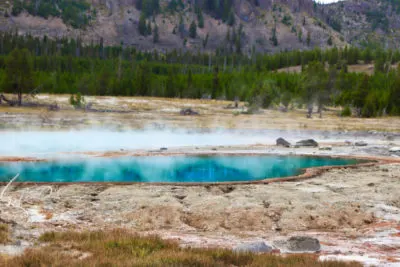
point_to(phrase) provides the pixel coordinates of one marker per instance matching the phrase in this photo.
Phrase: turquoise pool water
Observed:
(165, 168)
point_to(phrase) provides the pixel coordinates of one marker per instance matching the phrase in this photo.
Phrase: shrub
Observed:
(77, 100)
(346, 112)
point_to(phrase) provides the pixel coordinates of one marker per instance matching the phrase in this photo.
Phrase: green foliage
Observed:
(77, 101)
(19, 76)
(346, 112)
(193, 30)
(378, 20)
(142, 27)
(220, 9)
(231, 18)
(200, 18)
(156, 36)
(330, 41)
(75, 13)
(287, 20)
(66, 66)
(274, 38)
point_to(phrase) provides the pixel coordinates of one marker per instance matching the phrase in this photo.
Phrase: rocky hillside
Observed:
(229, 25)
(365, 22)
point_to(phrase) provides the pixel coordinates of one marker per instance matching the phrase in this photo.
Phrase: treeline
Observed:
(69, 67)
(228, 59)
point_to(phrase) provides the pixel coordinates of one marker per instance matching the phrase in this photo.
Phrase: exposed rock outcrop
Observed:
(282, 142)
(307, 143)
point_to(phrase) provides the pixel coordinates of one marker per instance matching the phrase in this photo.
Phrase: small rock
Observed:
(188, 112)
(180, 197)
(394, 150)
(255, 247)
(303, 243)
(266, 204)
(307, 143)
(390, 137)
(360, 143)
(298, 244)
(325, 148)
(282, 142)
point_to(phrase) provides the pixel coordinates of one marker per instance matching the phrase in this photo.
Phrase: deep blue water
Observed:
(165, 168)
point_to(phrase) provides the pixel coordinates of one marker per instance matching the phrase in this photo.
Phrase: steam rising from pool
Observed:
(33, 143)
(43, 143)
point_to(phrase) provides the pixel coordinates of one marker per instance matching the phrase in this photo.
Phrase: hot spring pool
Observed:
(165, 168)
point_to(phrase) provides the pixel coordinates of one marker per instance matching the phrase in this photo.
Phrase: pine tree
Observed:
(181, 27)
(205, 41)
(274, 38)
(215, 84)
(156, 37)
(148, 28)
(308, 38)
(231, 18)
(200, 18)
(19, 73)
(330, 41)
(142, 25)
(193, 30)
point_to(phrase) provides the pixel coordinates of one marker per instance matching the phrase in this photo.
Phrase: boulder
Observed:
(254, 247)
(360, 143)
(325, 148)
(307, 143)
(303, 244)
(188, 112)
(282, 142)
(394, 150)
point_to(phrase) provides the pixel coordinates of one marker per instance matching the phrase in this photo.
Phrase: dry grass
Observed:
(359, 68)
(4, 233)
(152, 111)
(121, 248)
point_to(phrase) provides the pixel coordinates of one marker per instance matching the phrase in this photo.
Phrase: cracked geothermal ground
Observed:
(353, 212)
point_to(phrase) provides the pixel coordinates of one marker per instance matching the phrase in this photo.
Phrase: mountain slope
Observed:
(366, 22)
(229, 25)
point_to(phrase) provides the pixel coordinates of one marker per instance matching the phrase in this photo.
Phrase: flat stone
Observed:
(303, 243)
(298, 244)
(255, 247)
(360, 143)
(325, 148)
(394, 149)
(307, 143)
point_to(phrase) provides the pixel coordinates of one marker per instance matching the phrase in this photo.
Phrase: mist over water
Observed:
(48, 143)
(39, 143)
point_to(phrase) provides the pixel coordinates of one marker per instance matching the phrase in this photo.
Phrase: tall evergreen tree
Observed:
(156, 37)
(193, 30)
(142, 25)
(19, 73)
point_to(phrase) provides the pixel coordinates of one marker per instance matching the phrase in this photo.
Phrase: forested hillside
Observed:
(42, 65)
(206, 25)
